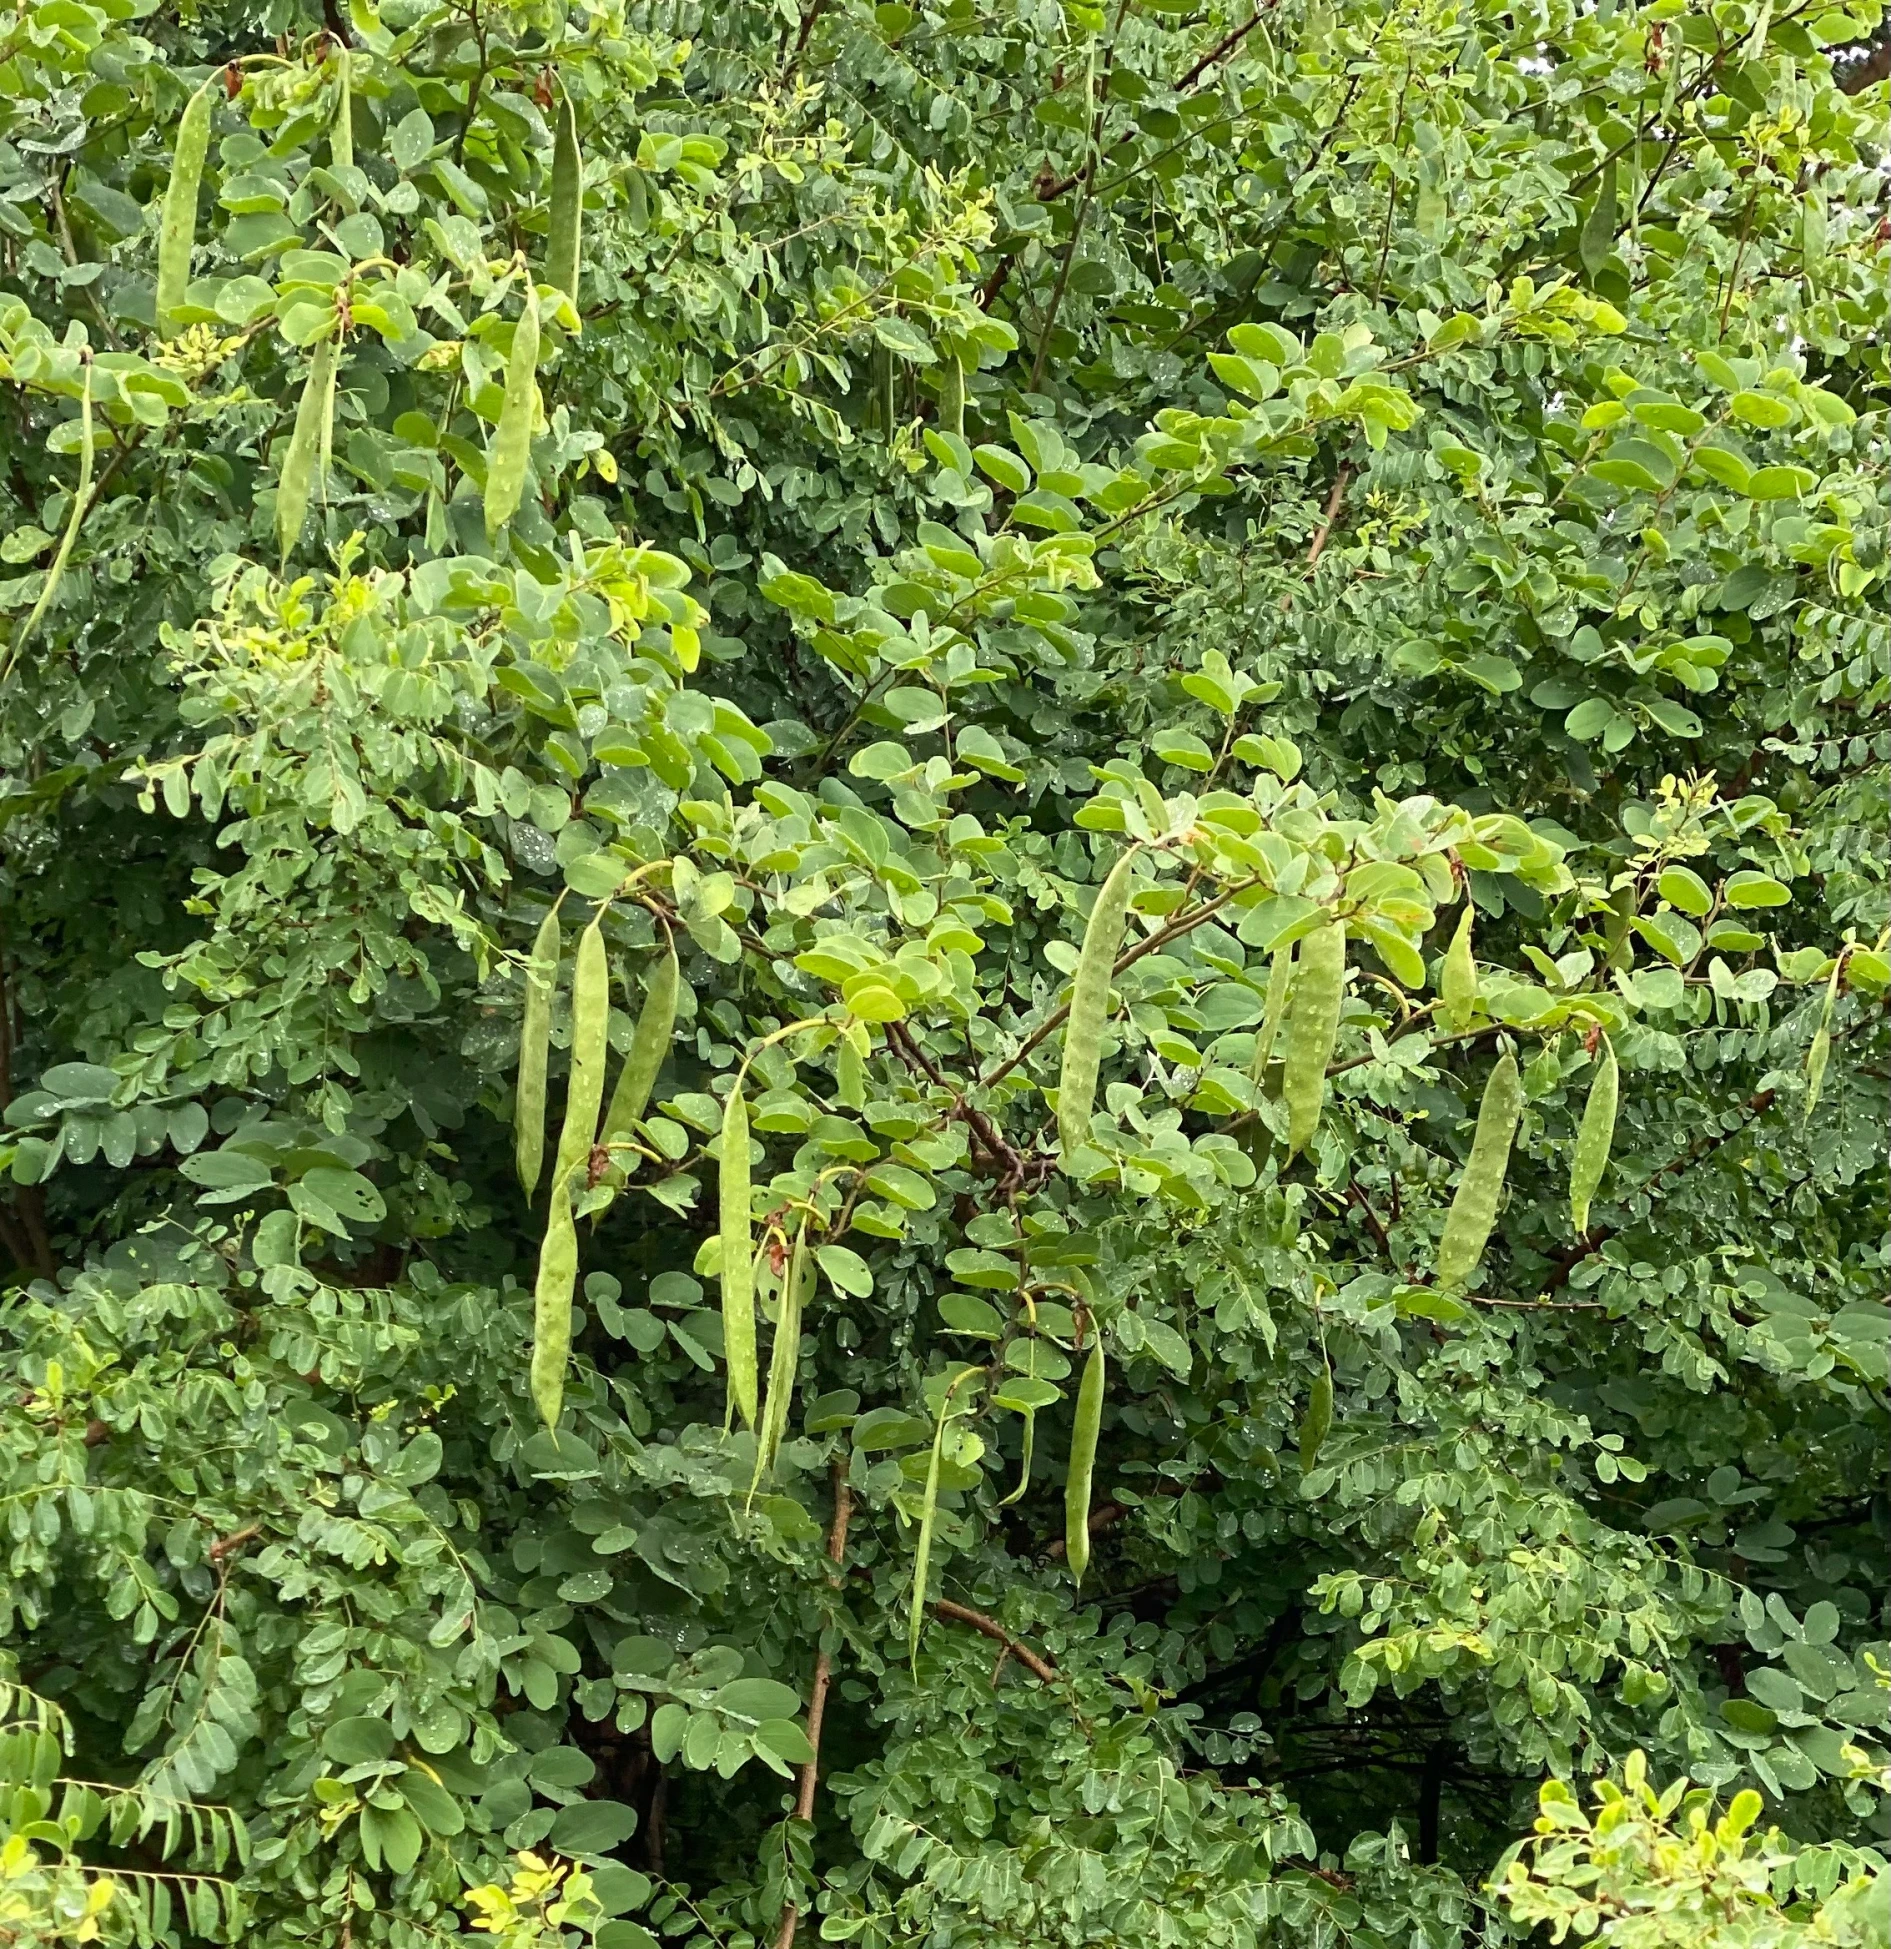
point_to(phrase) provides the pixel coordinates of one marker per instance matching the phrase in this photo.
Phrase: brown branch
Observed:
(1160, 939)
(1697, 1152)
(1371, 1217)
(1331, 515)
(995, 283)
(1219, 52)
(808, 19)
(1221, 49)
(227, 1546)
(1106, 1515)
(1874, 66)
(808, 1779)
(963, 1614)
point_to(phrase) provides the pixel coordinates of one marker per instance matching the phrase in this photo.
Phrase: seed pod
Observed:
(81, 495)
(850, 1075)
(1279, 983)
(952, 395)
(1821, 1051)
(738, 1263)
(1312, 1028)
(310, 437)
(590, 1050)
(177, 223)
(551, 1306)
(1083, 1462)
(1474, 1209)
(511, 451)
(1816, 1059)
(1089, 1007)
(341, 137)
(1593, 1139)
(567, 209)
(1319, 1419)
(928, 1515)
(1024, 1460)
(535, 1033)
(1457, 985)
(785, 1357)
(649, 1044)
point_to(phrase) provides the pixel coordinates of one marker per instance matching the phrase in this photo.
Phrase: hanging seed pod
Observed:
(535, 1037)
(952, 395)
(81, 496)
(649, 1044)
(1319, 1418)
(928, 1517)
(551, 1306)
(564, 242)
(177, 222)
(1083, 1462)
(850, 1075)
(1474, 1209)
(510, 454)
(738, 1261)
(1089, 1007)
(1026, 1446)
(1273, 1010)
(1594, 1139)
(309, 439)
(341, 137)
(1821, 1051)
(1319, 989)
(785, 1358)
(1457, 985)
(590, 1050)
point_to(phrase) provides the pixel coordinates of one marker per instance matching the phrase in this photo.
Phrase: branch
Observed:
(1875, 64)
(227, 1546)
(1219, 52)
(963, 1614)
(810, 1774)
(1156, 941)
(1333, 501)
(1106, 1515)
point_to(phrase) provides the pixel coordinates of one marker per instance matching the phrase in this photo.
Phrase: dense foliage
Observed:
(1000, 886)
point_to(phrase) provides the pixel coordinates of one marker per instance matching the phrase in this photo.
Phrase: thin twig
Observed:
(227, 1546)
(1106, 1515)
(1219, 52)
(1331, 515)
(1156, 941)
(808, 1779)
(964, 1614)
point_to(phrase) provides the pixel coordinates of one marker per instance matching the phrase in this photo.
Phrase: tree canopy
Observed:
(944, 967)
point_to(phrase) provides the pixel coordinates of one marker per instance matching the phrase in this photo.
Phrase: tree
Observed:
(944, 956)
